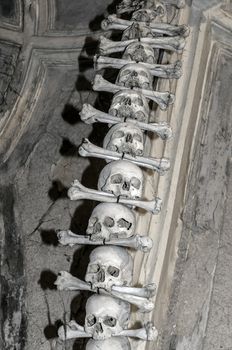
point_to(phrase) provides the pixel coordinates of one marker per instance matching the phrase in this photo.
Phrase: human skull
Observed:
(136, 4)
(125, 138)
(111, 221)
(130, 104)
(122, 178)
(137, 30)
(140, 52)
(114, 343)
(149, 15)
(106, 316)
(135, 75)
(109, 266)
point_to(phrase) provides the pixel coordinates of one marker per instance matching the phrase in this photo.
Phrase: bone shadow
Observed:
(50, 331)
(49, 237)
(80, 261)
(47, 279)
(57, 191)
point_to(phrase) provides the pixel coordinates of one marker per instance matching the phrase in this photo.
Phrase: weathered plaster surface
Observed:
(200, 307)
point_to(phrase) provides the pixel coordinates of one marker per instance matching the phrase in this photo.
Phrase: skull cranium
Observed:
(109, 266)
(130, 104)
(110, 221)
(135, 75)
(122, 178)
(149, 15)
(116, 343)
(137, 30)
(141, 52)
(125, 138)
(106, 316)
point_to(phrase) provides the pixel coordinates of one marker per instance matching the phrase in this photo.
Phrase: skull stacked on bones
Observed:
(122, 178)
(110, 221)
(130, 104)
(106, 316)
(125, 138)
(135, 75)
(141, 52)
(109, 266)
(120, 343)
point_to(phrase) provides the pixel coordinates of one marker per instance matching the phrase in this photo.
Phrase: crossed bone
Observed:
(137, 242)
(163, 99)
(176, 44)
(113, 22)
(166, 71)
(136, 296)
(91, 115)
(77, 191)
(73, 330)
(87, 149)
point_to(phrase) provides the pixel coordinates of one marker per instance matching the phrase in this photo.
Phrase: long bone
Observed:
(73, 330)
(175, 44)
(87, 149)
(77, 191)
(137, 242)
(90, 115)
(113, 22)
(163, 99)
(148, 332)
(166, 71)
(133, 295)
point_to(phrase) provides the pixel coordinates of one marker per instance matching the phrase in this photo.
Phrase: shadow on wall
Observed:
(58, 190)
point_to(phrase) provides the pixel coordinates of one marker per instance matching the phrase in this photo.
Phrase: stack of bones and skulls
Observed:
(112, 225)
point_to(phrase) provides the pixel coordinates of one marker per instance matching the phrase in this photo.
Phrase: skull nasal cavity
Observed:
(101, 276)
(97, 227)
(129, 138)
(126, 185)
(127, 101)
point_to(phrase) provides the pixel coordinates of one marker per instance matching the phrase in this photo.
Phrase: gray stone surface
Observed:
(200, 309)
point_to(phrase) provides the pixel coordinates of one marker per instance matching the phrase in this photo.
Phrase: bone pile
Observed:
(145, 34)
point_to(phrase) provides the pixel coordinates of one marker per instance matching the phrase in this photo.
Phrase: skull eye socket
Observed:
(91, 320)
(144, 74)
(125, 72)
(108, 221)
(118, 134)
(136, 183)
(93, 268)
(113, 271)
(138, 137)
(117, 99)
(116, 179)
(110, 321)
(124, 224)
